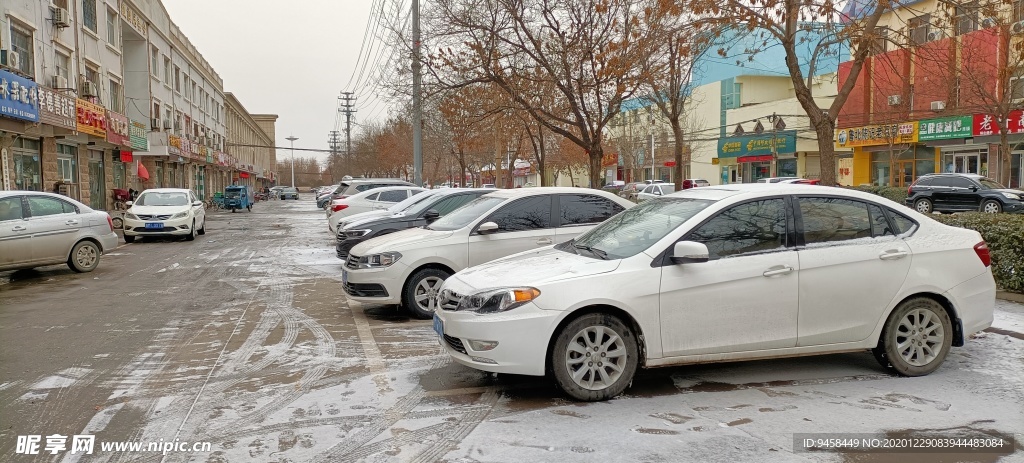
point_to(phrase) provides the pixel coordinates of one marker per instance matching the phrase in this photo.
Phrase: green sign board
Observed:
(137, 133)
(945, 128)
(755, 145)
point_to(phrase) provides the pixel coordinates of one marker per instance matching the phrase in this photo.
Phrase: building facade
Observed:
(251, 144)
(98, 95)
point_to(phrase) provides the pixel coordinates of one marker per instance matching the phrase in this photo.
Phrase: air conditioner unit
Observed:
(154, 123)
(936, 35)
(61, 18)
(895, 100)
(60, 82)
(938, 105)
(167, 124)
(1018, 27)
(988, 23)
(10, 58)
(89, 89)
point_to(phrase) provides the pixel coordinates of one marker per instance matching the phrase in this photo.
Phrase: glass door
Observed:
(97, 186)
(904, 175)
(963, 163)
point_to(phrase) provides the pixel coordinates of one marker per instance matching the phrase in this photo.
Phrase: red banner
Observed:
(243, 174)
(126, 156)
(987, 124)
(765, 158)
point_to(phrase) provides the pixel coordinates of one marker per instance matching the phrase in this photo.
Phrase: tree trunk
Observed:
(677, 170)
(825, 129)
(1004, 156)
(543, 155)
(596, 154)
(462, 167)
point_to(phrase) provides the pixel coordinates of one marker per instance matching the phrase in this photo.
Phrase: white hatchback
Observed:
(724, 273)
(409, 266)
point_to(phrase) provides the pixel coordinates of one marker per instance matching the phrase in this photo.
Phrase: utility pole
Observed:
(347, 106)
(334, 142)
(417, 105)
(292, 140)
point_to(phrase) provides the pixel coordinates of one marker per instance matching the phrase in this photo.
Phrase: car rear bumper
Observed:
(108, 242)
(974, 301)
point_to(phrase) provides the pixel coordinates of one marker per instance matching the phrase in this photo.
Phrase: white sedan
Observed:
(165, 212)
(376, 199)
(725, 273)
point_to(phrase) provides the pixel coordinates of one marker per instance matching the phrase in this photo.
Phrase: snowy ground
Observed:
(245, 340)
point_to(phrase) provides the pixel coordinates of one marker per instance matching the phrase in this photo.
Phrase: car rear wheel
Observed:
(923, 205)
(991, 207)
(420, 296)
(85, 256)
(916, 338)
(595, 357)
(192, 232)
(202, 230)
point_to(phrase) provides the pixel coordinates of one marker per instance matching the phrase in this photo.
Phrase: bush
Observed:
(895, 193)
(1004, 234)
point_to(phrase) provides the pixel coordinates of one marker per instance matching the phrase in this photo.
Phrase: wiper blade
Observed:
(597, 252)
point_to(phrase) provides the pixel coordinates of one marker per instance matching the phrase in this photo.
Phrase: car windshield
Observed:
(637, 228)
(162, 199)
(289, 190)
(233, 194)
(469, 212)
(409, 204)
(991, 184)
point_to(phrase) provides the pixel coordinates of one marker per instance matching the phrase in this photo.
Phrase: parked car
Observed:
(695, 183)
(655, 190)
(350, 187)
(719, 274)
(437, 205)
(776, 179)
(165, 212)
(803, 181)
(289, 192)
(275, 191)
(38, 229)
(630, 190)
(409, 266)
(488, 186)
(394, 209)
(962, 192)
(375, 199)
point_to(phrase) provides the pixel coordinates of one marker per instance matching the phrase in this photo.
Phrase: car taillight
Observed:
(110, 222)
(982, 250)
(338, 207)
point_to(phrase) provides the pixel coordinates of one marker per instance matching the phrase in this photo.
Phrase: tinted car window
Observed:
(466, 214)
(43, 206)
(372, 197)
(450, 203)
(394, 196)
(10, 209)
(365, 186)
(834, 219)
(879, 224)
(750, 227)
(925, 181)
(959, 182)
(531, 213)
(586, 209)
(901, 222)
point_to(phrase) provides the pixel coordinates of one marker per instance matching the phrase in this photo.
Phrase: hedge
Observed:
(1004, 234)
(895, 193)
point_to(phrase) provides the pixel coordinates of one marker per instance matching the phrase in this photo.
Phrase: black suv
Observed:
(962, 192)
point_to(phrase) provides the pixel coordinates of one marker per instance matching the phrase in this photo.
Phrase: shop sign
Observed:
(988, 124)
(56, 108)
(117, 129)
(133, 18)
(905, 132)
(137, 133)
(91, 118)
(126, 156)
(19, 98)
(944, 128)
(174, 145)
(755, 145)
(762, 158)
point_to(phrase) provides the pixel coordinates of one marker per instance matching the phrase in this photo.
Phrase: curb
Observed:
(1008, 296)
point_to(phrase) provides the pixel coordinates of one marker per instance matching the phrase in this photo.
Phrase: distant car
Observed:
(289, 192)
(487, 185)
(165, 212)
(630, 190)
(963, 192)
(375, 199)
(393, 209)
(655, 190)
(776, 179)
(737, 272)
(350, 186)
(803, 181)
(695, 183)
(38, 229)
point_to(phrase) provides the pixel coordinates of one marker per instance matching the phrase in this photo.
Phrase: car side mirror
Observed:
(129, 203)
(487, 227)
(689, 252)
(431, 215)
(197, 203)
(974, 188)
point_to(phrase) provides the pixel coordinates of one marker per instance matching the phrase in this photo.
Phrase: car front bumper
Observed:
(522, 335)
(344, 246)
(376, 285)
(173, 227)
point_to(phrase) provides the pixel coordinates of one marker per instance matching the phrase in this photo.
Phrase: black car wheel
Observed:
(420, 296)
(991, 207)
(923, 205)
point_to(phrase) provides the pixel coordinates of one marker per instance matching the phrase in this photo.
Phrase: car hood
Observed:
(157, 210)
(399, 241)
(531, 268)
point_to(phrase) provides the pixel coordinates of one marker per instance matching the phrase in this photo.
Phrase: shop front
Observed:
(20, 157)
(749, 158)
(26, 157)
(887, 154)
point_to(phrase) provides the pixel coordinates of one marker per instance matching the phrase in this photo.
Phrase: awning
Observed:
(143, 173)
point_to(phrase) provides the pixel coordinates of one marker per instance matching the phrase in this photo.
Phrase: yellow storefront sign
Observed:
(872, 135)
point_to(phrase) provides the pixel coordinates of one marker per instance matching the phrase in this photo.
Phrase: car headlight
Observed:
(180, 215)
(356, 233)
(1012, 195)
(497, 300)
(384, 259)
(130, 216)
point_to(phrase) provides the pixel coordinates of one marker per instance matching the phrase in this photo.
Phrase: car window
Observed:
(43, 206)
(372, 197)
(393, 196)
(755, 226)
(828, 220)
(667, 188)
(532, 213)
(648, 189)
(925, 181)
(991, 184)
(959, 182)
(586, 209)
(163, 199)
(365, 186)
(450, 203)
(466, 214)
(10, 209)
(902, 223)
(879, 224)
(638, 228)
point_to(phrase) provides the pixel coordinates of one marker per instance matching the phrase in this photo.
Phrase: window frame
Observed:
(57, 58)
(914, 28)
(20, 199)
(85, 15)
(801, 237)
(115, 98)
(27, 63)
(966, 12)
(64, 205)
(113, 29)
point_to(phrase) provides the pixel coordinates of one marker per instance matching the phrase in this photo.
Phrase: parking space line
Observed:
(374, 359)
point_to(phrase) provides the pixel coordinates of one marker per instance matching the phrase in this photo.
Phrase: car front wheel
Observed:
(916, 338)
(595, 357)
(85, 256)
(420, 296)
(991, 207)
(923, 206)
(191, 232)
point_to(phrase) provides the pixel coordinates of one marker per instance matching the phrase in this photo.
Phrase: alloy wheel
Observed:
(991, 207)
(924, 207)
(427, 291)
(595, 357)
(919, 337)
(86, 256)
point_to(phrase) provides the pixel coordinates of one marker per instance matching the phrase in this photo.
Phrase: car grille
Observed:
(154, 217)
(352, 262)
(365, 290)
(456, 343)
(342, 249)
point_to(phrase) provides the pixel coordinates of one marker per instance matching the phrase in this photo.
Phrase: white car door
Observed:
(15, 235)
(55, 225)
(851, 242)
(523, 224)
(198, 212)
(745, 297)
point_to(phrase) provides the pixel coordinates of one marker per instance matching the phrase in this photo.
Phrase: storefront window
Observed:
(965, 161)
(1016, 162)
(67, 168)
(27, 164)
(786, 168)
(902, 165)
(119, 175)
(97, 181)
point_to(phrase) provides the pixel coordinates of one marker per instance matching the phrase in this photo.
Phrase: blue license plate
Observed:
(344, 277)
(438, 326)
(154, 225)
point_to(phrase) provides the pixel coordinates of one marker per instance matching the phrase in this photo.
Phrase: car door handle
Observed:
(893, 254)
(71, 222)
(544, 241)
(778, 270)
(18, 228)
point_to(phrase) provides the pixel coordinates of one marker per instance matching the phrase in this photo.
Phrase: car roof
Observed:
(372, 180)
(951, 174)
(363, 194)
(544, 190)
(166, 190)
(753, 190)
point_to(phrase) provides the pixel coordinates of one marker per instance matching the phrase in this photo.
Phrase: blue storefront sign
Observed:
(783, 142)
(18, 97)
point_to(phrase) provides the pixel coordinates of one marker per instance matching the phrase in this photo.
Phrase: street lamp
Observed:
(292, 140)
